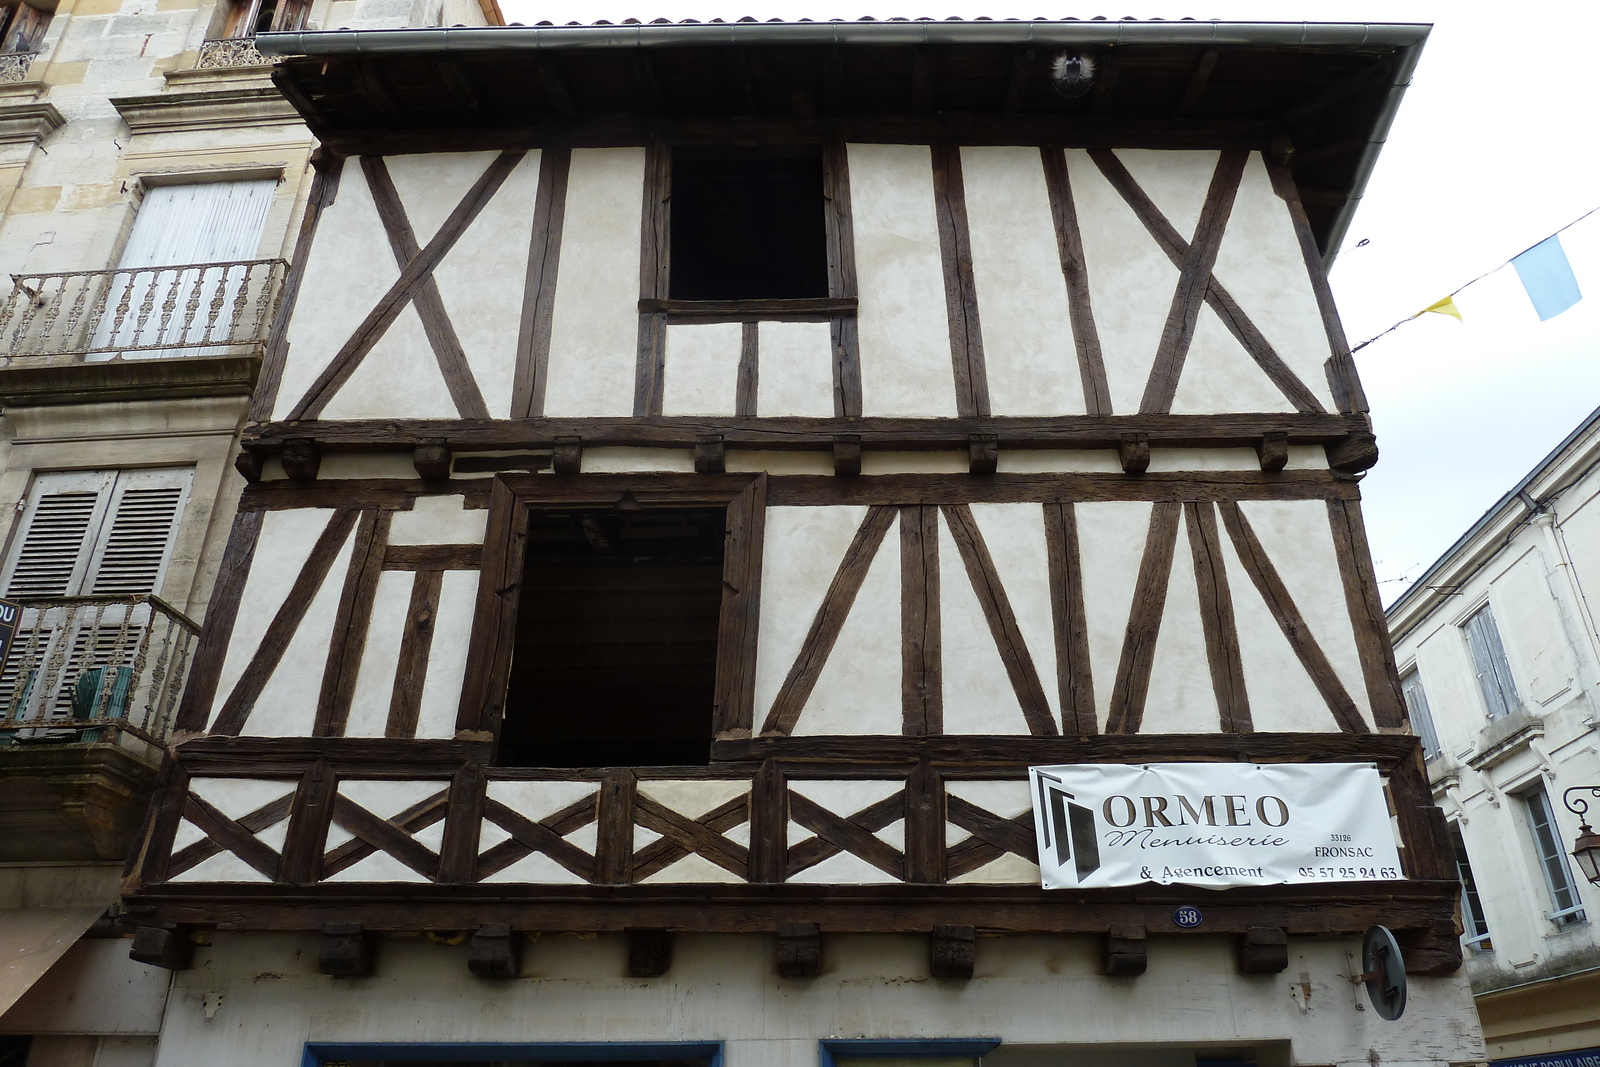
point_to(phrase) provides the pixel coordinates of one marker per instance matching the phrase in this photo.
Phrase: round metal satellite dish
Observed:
(1384, 972)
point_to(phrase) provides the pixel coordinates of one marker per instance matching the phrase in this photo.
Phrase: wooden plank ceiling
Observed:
(1322, 101)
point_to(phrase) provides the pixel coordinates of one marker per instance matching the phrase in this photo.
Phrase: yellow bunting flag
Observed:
(1447, 306)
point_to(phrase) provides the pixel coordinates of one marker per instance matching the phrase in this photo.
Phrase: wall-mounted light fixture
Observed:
(1586, 849)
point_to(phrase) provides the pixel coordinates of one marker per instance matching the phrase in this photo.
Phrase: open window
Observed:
(246, 18)
(748, 224)
(23, 26)
(624, 634)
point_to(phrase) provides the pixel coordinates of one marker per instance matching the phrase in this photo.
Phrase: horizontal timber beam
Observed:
(749, 432)
(1319, 911)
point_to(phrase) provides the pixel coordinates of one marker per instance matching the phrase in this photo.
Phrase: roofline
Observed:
(1407, 37)
(1496, 513)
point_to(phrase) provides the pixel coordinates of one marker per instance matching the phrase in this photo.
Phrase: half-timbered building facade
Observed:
(700, 468)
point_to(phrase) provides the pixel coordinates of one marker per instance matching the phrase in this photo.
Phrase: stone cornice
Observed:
(31, 385)
(211, 109)
(28, 123)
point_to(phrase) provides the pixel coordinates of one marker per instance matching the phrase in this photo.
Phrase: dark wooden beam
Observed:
(1263, 950)
(1017, 80)
(649, 953)
(799, 950)
(950, 951)
(346, 950)
(1125, 951)
(495, 951)
(1199, 78)
(170, 948)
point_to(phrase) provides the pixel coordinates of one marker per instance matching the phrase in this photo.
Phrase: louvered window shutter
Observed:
(99, 532)
(1489, 662)
(209, 222)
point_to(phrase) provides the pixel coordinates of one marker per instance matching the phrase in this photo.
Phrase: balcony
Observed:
(228, 52)
(87, 698)
(203, 309)
(14, 66)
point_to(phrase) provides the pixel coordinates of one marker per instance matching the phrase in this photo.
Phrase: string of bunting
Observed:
(1546, 277)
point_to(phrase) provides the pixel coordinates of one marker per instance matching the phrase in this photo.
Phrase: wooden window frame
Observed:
(513, 497)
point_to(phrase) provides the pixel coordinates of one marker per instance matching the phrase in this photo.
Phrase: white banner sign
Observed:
(1211, 824)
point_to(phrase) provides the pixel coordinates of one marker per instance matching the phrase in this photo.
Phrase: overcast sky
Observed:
(1494, 149)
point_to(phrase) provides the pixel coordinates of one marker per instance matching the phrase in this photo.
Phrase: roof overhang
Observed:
(1320, 96)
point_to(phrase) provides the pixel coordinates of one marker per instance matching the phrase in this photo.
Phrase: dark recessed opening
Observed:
(748, 226)
(616, 641)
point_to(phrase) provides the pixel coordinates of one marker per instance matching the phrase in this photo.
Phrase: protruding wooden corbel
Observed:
(649, 953)
(249, 464)
(1134, 451)
(1263, 950)
(847, 456)
(1434, 949)
(799, 950)
(346, 950)
(950, 951)
(983, 453)
(1125, 953)
(1273, 451)
(495, 951)
(1354, 452)
(162, 946)
(301, 459)
(710, 455)
(432, 460)
(566, 458)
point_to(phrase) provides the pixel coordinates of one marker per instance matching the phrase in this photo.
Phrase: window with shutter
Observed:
(1489, 662)
(1421, 717)
(85, 541)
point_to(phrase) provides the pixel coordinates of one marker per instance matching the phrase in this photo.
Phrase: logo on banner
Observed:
(1211, 824)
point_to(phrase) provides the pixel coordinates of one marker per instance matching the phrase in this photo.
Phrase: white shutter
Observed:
(96, 531)
(136, 539)
(51, 549)
(209, 222)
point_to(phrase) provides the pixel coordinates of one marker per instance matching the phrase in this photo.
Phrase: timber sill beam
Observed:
(1349, 437)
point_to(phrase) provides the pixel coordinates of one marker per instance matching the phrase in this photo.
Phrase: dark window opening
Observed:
(748, 226)
(615, 654)
(1472, 915)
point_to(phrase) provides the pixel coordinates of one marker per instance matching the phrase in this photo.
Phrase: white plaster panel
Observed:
(1008, 869)
(702, 369)
(1297, 538)
(1204, 459)
(902, 320)
(537, 868)
(1308, 458)
(1015, 536)
(399, 378)
(481, 281)
(366, 465)
(1260, 264)
(287, 706)
(643, 837)
(1219, 375)
(238, 797)
(914, 462)
(431, 184)
(380, 656)
(842, 868)
(978, 695)
(1131, 281)
(1111, 537)
(1281, 693)
(386, 799)
(740, 461)
(285, 543)
(447, 655)
(618, 459)
(858, 689)
(438, 520)
(1051, 460)
(801, 550)
(594, 331)
(893, 835)
(1006, 799)
(336, 298)
(693, 868)
(540, 800)
(490, 834)
(431, 836)
(843, 798)
(188, 834)
(1176, 181)
(1180, 699)
(693, 797)
(795, 369)
(1028, 346)
(378, 867)
(223, 867)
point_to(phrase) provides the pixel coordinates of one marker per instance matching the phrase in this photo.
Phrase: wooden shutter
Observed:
(96, 531)
(1489, 661)
(1421, 715)
(208, 222)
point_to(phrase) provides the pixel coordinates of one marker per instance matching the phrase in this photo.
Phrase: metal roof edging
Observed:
(1091, 32)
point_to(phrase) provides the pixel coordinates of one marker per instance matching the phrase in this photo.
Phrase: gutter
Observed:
(1518, 494)
(1407, 37)
(1082, 33)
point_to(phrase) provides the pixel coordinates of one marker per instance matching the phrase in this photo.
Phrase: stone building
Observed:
(1500, 664)
(152, 182)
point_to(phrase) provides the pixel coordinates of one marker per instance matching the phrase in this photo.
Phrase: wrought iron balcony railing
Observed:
(14, 66)
(83, 667)
(143, 312)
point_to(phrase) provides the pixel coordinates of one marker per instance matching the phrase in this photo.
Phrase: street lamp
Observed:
(1586, 849)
